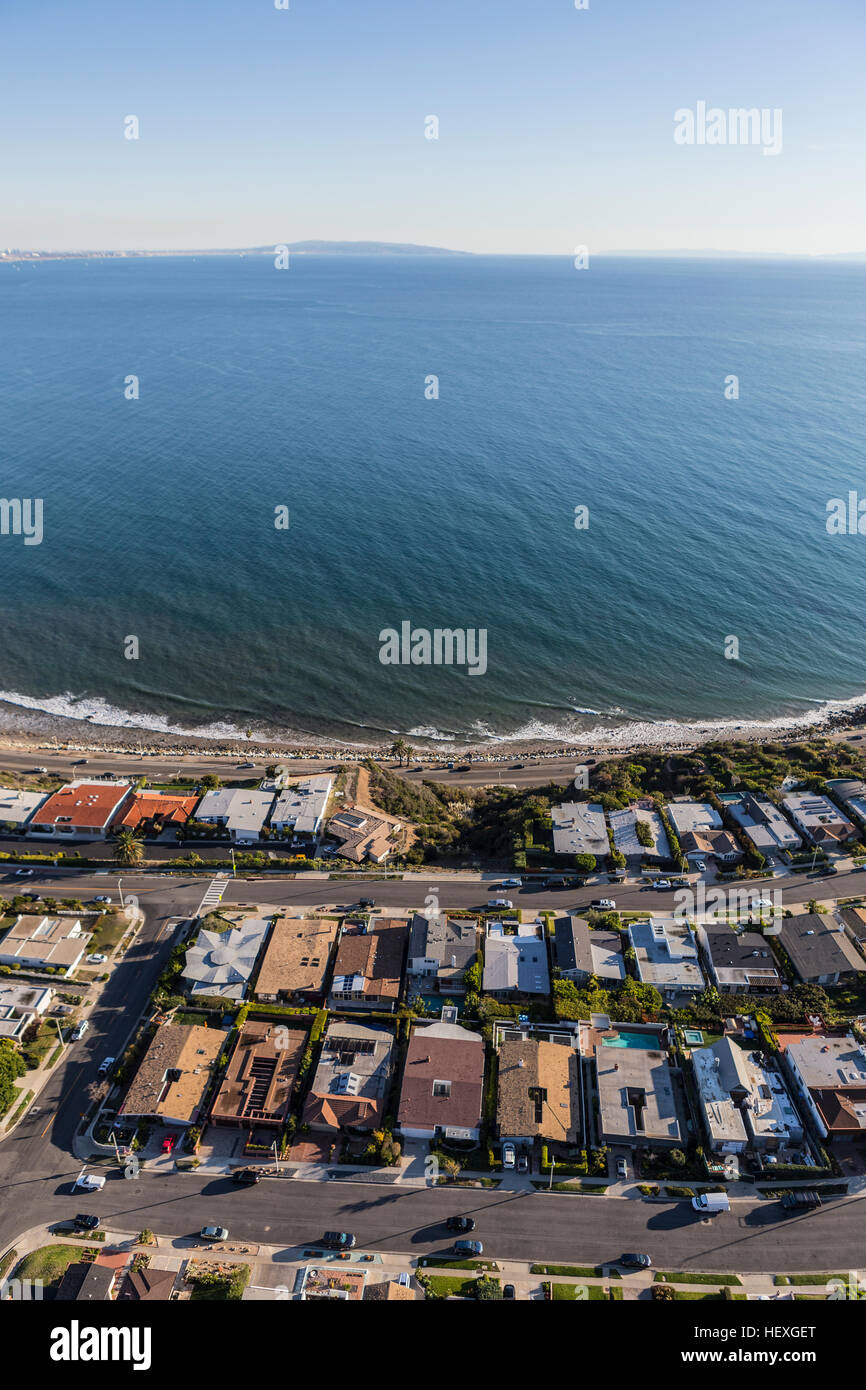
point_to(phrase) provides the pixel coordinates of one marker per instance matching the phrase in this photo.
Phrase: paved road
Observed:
(36, 1167)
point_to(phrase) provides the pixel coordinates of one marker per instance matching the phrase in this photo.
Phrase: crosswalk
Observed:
(214, 894)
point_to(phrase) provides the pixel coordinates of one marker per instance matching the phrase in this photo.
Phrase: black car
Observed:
(246, 1176)
(633, 1261)
(517, 767)
(366, 902)
(460, 1223)
(86, 1222)
(338, 1240)
(508, 1291)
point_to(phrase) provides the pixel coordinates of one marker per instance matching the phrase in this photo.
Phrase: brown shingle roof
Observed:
(549, 1071)
(258, 1084)
(376, 955)
(147, 1286)
(296, 957)
(442, 1052)
(174, 1073)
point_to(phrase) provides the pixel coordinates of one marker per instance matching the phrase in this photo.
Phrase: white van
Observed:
(711, 1202)
(499, 902)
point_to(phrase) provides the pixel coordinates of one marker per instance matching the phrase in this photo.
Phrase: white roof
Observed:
(829, 1062)
(303, 805)
(667, 953)
(579, 828)
(693, 815)
(19, 806)
(239, 808)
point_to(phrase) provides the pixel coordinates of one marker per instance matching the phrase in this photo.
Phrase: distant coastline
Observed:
(297, 248)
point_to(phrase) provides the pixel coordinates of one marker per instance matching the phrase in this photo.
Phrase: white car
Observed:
(621, 1168)
(101, 898)
(499, 902)
(96, 959)
(90, 1182)
(81, 1030)
(700, 867)
(511, 883)
(509, 1156)
(603, 905)
(105, 1065)
(663, 883)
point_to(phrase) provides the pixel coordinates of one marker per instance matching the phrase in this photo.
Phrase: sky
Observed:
(260, 125)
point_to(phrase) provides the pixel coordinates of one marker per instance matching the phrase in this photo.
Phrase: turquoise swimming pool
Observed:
(626, 1039)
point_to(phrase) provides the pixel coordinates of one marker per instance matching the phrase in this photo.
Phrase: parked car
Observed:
(90, 1182)
(621, 1168)
(664, 883)
(80, 1030)
(213, 1233)
(464, 767)
(105, 1066)
(603, 904)
(508, 1291)
(523, 1164)
(711, 1202)
(700, 866)
(168, 1143)
(509, 1156)
(801, 1199)
(499, 902)
(634, 1261)
(245, 1176)
(460, 1223)
(366, 902)
(468, 1247)
(338, 1240)
(96, 959)
(86, 1222)
(510, 883)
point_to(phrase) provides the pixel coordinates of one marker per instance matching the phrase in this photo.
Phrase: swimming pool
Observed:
(626, 1039)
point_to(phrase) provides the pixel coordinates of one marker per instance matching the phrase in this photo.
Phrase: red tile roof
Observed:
(88, 804)
(145, 806)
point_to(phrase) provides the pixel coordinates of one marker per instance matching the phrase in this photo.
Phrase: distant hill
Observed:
(363, 248)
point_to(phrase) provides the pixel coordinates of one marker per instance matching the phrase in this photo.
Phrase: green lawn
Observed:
(108, 930)
(664, 1277)
(230, 1288)
(444, 1287)
(595, 1293)
(807, 1278)
(574, 1271)
(49, 1263)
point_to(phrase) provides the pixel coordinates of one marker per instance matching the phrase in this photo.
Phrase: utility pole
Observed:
(276, 1155)
(552, 1166)
(234, 869)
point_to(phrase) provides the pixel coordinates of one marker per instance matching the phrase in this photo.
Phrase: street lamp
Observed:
(276, 1155)
(120, 891)
(234, 869)
(552, 1166)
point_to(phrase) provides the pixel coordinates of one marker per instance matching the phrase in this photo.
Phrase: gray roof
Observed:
(516, 962)
(222, 962)
(607, 955)
(818, 946)
(573, 949)
(452, 941)
(303, 804)
(243, 812)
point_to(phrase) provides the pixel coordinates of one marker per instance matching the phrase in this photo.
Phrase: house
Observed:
(327, 1282)
(739, 962)
(666, 955)
(221, 964)
(761, 820)
(368, 970)
(442, 1095)
(295, 961)
(256, 1091)
(854, 921)
(241, 812)
(538, 1092)
(818, 819)
(350, 1088)
(572, 950)
(21, 1005)
(43, 943)
(608, 964)
(711, 844)
(850, 792)
(819, 949)
(147, 1285)
(86, 1283)
(692, 817)
(743, 1103)
(829, 1076)
(515, 965)
(406, 1289)
(151, 813)
(579, 828)
(624, 826)
(80, 810)
(301, 807)
(362, 835)
(637, 1105)
(17, 808)
(172, 1078)
(441, 950)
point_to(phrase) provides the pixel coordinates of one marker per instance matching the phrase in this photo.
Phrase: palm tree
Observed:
(397, 749)
(408, 752)
(128, 849)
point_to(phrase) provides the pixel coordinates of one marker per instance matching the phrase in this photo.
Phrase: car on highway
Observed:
(338, 1240)
(468, 1247)
(246, 1177)
(213, 1233)
(517, 767)
(89, 1182)
(23, 873)
(80, 762)
(102, 898)
(508, 1291)
(40, 769)
(631, 1260)
(621, 1168)
(96, 959)
(509, 1156)
(246, 765)
(86, 1222)
(80, 1029)
(464, 767)
(460, 1223)
(105, 1066)
(168, 1143)
(603, 905)
(511, 883)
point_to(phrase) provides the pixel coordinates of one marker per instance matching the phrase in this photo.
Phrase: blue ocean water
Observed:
(558, 388)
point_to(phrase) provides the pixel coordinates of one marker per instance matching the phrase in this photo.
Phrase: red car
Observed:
(168, 1143)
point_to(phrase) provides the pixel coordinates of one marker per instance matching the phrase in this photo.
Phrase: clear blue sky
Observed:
(556, 125)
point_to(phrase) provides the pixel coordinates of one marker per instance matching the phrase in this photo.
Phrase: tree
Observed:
(644, 833)
(11, 1067)
(211, 781)
(128, 848)
(488, 1289)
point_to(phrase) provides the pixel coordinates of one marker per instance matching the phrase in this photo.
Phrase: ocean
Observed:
(306, 389)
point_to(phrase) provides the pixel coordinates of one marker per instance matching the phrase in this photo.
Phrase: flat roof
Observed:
(667, 953)
(579, 828)
(829, 1062)
(19, 806)
(52, 940)
(636, 1094)
(692, 815)
(303, 804)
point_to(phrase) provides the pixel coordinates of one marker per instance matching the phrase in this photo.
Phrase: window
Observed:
(442, 1088)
